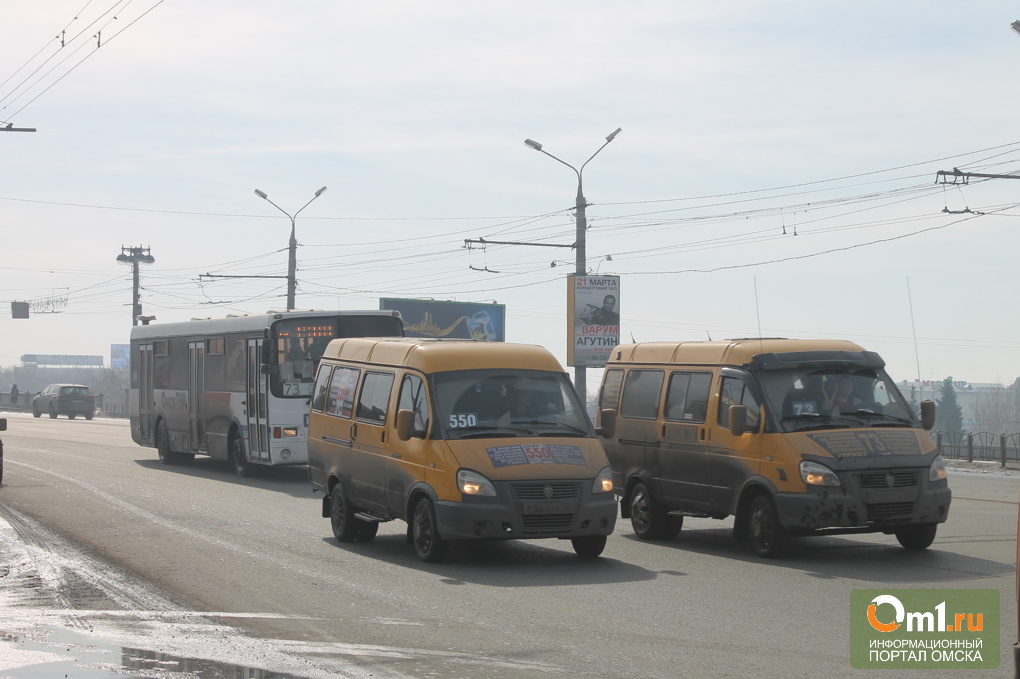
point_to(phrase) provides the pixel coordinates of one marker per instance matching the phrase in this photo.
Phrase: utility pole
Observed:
(134, 257)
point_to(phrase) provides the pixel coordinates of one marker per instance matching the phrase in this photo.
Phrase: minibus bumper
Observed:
(851, 509)
(505, 517)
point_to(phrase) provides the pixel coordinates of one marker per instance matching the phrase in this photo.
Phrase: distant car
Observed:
(65, 399)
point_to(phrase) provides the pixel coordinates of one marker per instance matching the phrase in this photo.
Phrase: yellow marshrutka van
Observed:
(460, 439)
(791, 437)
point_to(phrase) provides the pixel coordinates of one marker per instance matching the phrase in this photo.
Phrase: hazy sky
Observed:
(776, 172)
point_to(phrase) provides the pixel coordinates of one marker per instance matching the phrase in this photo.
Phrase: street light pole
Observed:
(580, 372)
(292, 245)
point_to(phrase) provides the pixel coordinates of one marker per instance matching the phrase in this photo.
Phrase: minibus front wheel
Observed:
(431, 548)
(767, 535)
(589, 546)
(649, 520)
(919, 536)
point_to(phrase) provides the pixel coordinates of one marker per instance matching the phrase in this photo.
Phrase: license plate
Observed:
(548, 507)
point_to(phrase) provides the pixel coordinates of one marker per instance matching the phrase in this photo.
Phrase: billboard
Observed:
(460, 320)
(593, 315)
(119, 356)
(62, 361)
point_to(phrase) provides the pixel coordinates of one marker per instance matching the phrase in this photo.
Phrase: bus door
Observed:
(196, 395)
(258, 393)
(146, 399)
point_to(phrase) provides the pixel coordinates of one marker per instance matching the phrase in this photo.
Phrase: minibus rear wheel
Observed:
(431, 548)
(346, 528)
(648, 519)
(768, 537)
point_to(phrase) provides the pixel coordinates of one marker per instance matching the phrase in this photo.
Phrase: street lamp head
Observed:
(613, 134)
(261, 194)
(533, 144)
(1015, 26)
(319, 192)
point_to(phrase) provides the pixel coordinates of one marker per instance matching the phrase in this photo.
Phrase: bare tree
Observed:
(998, 410)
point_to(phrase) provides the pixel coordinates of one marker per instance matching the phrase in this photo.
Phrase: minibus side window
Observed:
(641, 394)
(414, 398)
(736, 392)
(340, 401)
(375, 397)
(611, 383)
(687, 396)
(319, 390)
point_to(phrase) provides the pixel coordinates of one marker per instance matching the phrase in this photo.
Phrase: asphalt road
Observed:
(255, 555)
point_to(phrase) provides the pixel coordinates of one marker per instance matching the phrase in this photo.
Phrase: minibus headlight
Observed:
(603, 481)
(473, 483)
(815, 474)
(937, 471)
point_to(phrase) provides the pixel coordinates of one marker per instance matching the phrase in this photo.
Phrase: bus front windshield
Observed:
(300, 344)
(843, 396)
(501, 403)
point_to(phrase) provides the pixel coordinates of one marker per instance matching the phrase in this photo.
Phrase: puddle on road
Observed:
(57, 652)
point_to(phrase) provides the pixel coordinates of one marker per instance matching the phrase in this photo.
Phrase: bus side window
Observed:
(375, 397)
(641, 394)
(611, 383)
(319, 391)
(340, 401)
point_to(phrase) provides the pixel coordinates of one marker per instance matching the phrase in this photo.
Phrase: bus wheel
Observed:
(589, 546)
(431, 548)
(241, 465)
(648, 519)
(166, 456)
(346, 528)
(768, 537)
(917, 537)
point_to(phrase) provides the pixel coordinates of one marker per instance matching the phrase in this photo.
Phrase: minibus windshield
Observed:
(506, 403)
(842, 396)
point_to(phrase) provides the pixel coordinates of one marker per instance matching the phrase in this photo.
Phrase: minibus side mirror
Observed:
(608, 428)
(405, 424)
(928, 414)
(738, 420)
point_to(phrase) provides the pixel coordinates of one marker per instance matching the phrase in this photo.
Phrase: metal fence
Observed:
(979, 446)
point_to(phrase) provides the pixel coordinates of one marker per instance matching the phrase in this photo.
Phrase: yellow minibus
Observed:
(461, 439)
(790, 437)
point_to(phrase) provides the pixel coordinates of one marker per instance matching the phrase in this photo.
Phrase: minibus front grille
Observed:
(557, 490)
(882, 511)
(546, 524)
(900, 478)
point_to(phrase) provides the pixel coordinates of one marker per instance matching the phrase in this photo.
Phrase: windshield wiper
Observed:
(556, 423)
(817, 424)
(490, 431)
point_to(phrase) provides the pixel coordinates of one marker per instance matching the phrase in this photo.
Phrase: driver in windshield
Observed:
(525, 406)
(839, 394)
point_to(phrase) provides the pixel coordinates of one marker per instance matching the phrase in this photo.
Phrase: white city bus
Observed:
(236, 388)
